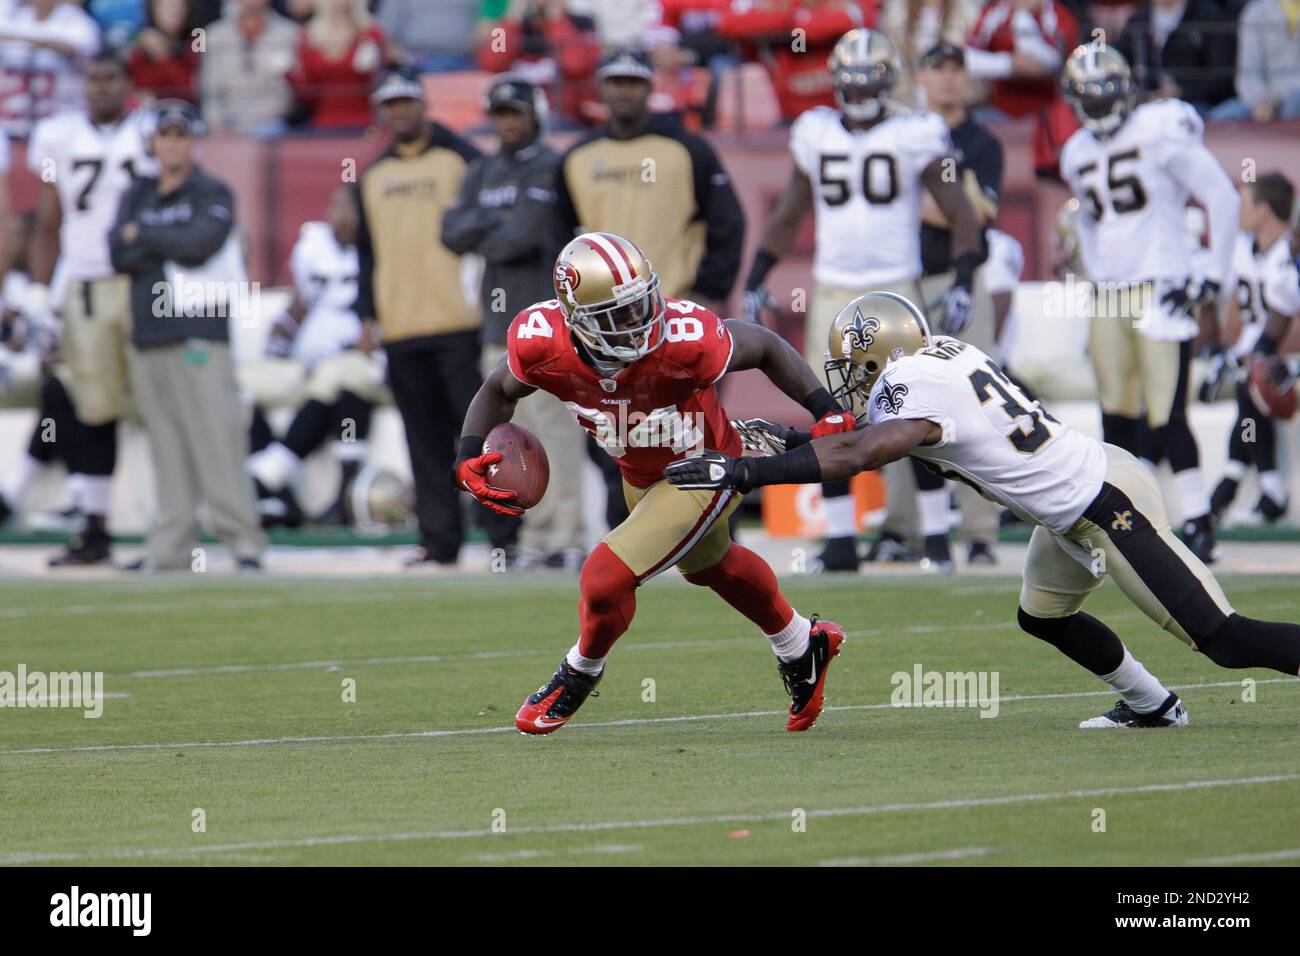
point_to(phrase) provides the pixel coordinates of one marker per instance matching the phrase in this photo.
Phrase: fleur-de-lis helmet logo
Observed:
(860, 334)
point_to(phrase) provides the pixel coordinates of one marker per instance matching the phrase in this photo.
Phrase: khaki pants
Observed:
(667, 527)
(198, 442)
(1134, 373)
(1125, 533)
(555, 524)
(96, 334)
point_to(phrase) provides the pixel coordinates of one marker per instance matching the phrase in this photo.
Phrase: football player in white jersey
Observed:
(1133, 169)
(863, 168)
(1096, 508)
(86, 162)
(313, 364)
(1264, 281)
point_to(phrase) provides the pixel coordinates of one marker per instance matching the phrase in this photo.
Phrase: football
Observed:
(523, 468)
(1276, 401)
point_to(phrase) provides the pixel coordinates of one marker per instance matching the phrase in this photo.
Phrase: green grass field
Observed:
(227, 696)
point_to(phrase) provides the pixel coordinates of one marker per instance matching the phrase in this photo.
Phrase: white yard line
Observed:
(1273, 856)
(154, 853)
(628, 722)
(937, 856)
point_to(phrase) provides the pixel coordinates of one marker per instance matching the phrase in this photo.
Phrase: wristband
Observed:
(469, 446)
(798, 467)
(965, 266)
(763, 263)
(820, 402)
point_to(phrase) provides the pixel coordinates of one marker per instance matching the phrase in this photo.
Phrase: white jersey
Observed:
(994, 438)
(36, 82)
(1133, 190)
(1262, 281)
(325, 274)
(867, 193)
(91, 167)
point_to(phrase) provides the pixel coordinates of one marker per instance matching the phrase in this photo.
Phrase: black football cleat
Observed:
(981, 552)
(1270, 509)
(83, 551)
(805, 678)
(888, 547)
(838, 554)
(938, 555)
(1172, 713)
(556, 701)
(1198, 535)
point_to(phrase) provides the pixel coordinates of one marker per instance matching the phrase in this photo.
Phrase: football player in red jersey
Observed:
(639, 372)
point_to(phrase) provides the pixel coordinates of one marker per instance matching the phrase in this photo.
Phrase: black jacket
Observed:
(506, 214)
(188, 226)
(1200, 54)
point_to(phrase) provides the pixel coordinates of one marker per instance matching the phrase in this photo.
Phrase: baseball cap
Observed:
(170, 114)
(397, 83)
(629, 63)
(944, 53)
(511, 92)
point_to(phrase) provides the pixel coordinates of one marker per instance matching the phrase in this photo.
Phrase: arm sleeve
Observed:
(1192, 165)
(465, 224)
(724, 222)
(199, 239)
(365, 304)
(529, 228)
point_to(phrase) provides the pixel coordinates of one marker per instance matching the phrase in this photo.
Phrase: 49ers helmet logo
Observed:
(566, 278)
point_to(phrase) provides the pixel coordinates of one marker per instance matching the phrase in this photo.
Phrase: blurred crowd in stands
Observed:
(264, 68)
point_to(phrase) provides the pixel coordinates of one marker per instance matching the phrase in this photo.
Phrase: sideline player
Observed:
(639, 372)
(1097, 509)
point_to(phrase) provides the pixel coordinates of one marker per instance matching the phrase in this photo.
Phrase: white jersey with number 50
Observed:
(867, 191)
(91, 167)
(994, 438)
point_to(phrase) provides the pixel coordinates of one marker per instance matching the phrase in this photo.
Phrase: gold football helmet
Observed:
(1097, 82)
(864, 68)
(610, 297)
(867, 334)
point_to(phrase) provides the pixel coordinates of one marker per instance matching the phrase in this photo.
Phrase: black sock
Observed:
(309, 428)
(1245, 642)
(353, 413)
(1122, 431)
(259, 431)
(1080, 637)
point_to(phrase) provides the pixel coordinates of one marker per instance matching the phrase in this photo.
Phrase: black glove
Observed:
(711, 471)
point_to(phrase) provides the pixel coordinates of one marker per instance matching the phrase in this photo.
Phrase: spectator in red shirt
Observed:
(164, 61)
(551, 48)
(340, 53)
(1020, 45)
(796, 61)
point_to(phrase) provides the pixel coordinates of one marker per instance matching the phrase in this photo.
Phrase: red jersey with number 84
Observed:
(652, 412)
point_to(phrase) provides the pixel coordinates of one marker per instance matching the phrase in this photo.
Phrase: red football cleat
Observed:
(556, 701)
(805, 678)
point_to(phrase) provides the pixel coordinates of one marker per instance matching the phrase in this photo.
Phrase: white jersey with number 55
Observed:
(1133, 190)
(867, 192)
(91, 167)
(994, 438)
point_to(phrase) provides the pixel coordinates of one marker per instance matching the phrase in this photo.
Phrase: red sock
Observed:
(608, 601)
(745, 581)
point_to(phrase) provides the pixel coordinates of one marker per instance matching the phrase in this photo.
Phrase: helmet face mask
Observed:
(1098, 85)
(870, 332)
(610, 298)
(863, 71)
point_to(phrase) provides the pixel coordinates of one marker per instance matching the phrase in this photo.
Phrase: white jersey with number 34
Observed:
(994, 438)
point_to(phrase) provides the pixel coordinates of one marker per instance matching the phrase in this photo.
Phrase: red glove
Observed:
(471, 474)
(834, 423)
